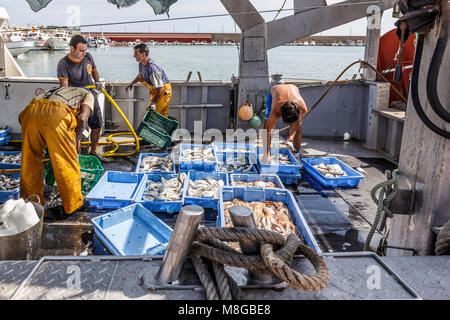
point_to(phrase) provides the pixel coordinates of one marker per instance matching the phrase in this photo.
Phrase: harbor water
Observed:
(213, 62)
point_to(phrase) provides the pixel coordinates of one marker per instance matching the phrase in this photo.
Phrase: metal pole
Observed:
(243, 217)
(180, 242)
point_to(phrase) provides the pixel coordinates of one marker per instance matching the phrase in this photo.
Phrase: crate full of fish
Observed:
(91, 169)
(9, 186)
(258, 181)
(197, 157)
(202, 188)
(331, 172)
(156, 162)
(162, 192)
(282, 161)
(115, 189)
(236, 162)
(12, 159)
(273, 209)
(220, 147)
(132, 230)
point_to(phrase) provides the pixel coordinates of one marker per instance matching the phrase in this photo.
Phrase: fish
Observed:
(207, 187)
(8, 183)
(200, 153)
(166, 189)
(235, 163)
(330, 170)
(156, 163)
(234, 150)
(256, 184)
(11, 159)
(278, 159)
(268, 215)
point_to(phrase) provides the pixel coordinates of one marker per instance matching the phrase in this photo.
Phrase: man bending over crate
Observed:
(55, 119)
(284, 101)
(154, 78)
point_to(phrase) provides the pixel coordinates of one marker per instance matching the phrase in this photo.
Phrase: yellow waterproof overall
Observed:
(162, 106)
(53, 124)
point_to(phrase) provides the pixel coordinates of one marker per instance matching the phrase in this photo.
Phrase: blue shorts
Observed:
(95, 121)
(268, 105)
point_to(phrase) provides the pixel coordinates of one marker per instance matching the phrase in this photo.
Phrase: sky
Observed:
(62, 12)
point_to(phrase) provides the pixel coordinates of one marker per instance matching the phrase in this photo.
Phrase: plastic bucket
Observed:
(24, 245)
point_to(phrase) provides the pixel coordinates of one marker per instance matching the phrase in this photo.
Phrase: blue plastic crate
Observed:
(13, 194)
(132, 230)
(4, 166)
(262, 195)
(220, 147)
(143, 155)
(256, 177)
(238, 156)
(352, 178)
(10, 165)
(4, 140)
(159, 205)
(115, 189)
(289, 178)
(99, 248)
(197, 165)
(5, 132)
(292, 168)
(204, 202)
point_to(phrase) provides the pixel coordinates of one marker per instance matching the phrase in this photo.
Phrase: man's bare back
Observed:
(283, 93)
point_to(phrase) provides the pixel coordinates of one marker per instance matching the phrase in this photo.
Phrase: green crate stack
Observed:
(157, 129)
(91, 171)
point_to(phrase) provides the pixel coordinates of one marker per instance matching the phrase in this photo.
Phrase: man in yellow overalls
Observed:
(154, 78)
(55, 119)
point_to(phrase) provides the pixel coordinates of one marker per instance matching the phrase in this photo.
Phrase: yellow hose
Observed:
(112, 153)
(109, 139)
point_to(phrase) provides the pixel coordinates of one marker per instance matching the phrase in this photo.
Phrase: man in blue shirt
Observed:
(77, 69)
(154, 78)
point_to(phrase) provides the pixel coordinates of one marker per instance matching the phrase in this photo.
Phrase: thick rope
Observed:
(295, 279)
(268, 262)
(443, 241)
(382, 203)
(222, 281)
(236, 234)
(205, 278)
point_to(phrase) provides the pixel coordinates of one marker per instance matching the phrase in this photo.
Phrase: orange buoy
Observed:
(246, 111)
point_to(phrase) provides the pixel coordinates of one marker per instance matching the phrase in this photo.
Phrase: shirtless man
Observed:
(284, 101)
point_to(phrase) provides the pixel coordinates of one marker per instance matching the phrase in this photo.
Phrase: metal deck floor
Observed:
(351, 278)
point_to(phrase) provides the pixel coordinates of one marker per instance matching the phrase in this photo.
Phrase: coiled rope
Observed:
(208, 245)
(382, 202)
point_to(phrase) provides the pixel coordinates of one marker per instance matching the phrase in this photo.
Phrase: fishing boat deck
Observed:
(339, 218)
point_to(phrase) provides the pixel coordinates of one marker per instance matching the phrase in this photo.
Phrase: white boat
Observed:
(17, 45)
(40, 40)
(103, 42)
(59, 41)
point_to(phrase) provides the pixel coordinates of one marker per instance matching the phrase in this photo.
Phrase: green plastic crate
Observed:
(91, 171)
(157, 129)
